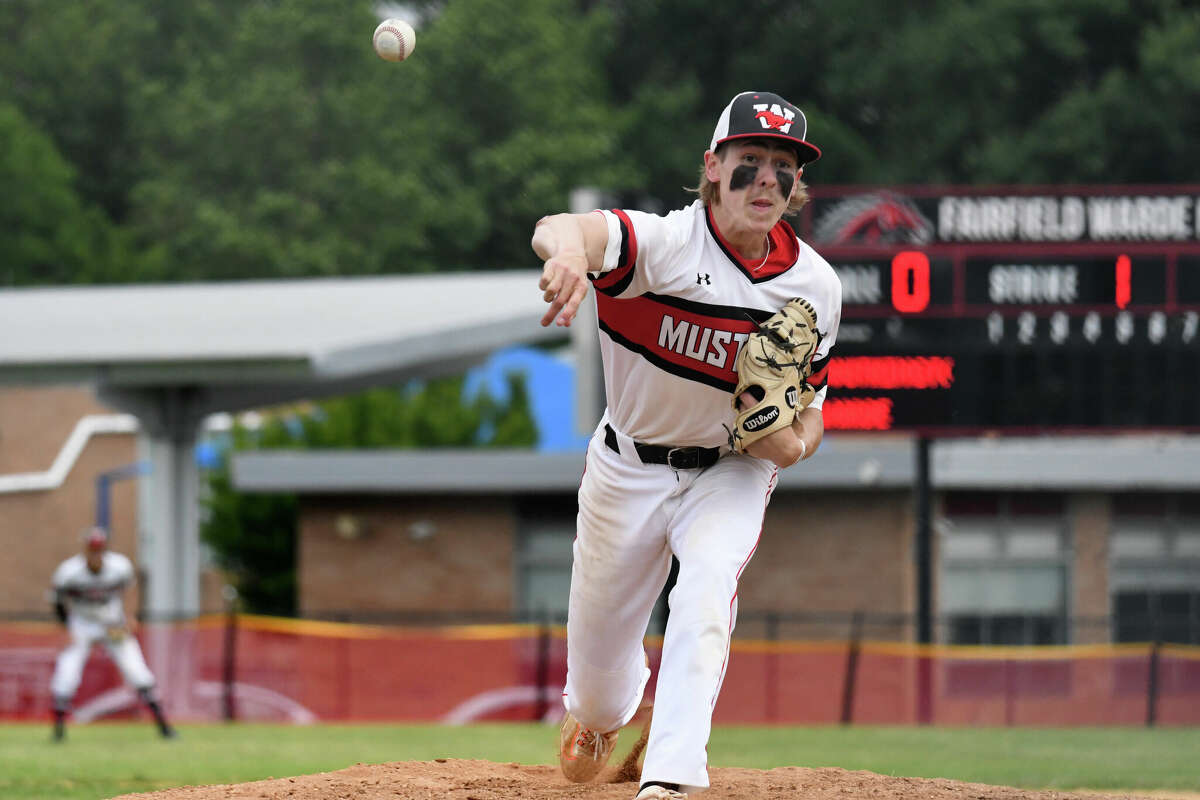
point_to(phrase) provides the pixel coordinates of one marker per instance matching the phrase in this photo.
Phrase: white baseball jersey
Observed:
(95, 596)
(676, 301)
(94, 605)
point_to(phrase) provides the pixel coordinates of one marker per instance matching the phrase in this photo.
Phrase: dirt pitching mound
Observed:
(453, 779)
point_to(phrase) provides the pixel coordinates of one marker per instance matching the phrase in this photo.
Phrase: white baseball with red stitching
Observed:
(394, 40)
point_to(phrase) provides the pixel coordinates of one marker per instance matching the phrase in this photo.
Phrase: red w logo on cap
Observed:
(772, 120)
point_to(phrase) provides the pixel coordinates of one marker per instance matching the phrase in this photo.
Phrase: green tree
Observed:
(691, 57)
(75, 70)
(254, 535)
(233, 139)
(238, 140)
(1130, 118)
(1023, 91)
(935, 91)
(522, 114)
(48, 235)
(291, 149)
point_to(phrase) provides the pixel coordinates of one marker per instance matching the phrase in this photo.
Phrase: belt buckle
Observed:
(689, 457)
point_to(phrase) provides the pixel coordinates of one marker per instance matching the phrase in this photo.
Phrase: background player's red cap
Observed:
(96, 538)
(765, 115)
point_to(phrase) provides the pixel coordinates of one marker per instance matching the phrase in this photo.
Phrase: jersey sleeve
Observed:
(819, 379)
(62, 576)
(122, 569)
(640, 248)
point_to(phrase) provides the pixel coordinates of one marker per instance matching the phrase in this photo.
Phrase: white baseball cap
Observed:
(765, 115)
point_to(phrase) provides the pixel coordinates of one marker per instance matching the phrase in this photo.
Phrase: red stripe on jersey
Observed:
(729, 634)
(627, 259)
(683, 341)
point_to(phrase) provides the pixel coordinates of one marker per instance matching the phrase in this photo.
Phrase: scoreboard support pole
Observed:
(923, 556)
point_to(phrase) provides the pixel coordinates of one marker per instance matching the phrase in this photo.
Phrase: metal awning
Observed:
(302, 334)
(844, 462)
(173, 354)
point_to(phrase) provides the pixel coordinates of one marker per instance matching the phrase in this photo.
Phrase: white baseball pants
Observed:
(68, 669)
(632, 517)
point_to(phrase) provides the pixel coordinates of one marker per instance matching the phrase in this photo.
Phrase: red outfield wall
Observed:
(303, 671)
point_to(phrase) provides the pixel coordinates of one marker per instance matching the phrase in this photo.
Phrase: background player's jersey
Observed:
(94, 596)
(676, 302)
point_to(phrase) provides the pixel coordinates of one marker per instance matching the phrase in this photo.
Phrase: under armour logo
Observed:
(703, 277)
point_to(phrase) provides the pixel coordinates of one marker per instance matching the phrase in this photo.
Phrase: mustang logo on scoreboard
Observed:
(878, 218)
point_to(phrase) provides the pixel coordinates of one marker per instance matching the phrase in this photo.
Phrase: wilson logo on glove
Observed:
(766, 417)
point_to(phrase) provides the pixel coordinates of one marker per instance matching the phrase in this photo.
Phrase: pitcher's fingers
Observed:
(549, 315)
(556, 301)
(551, 285)
(550, 277)
(572, 305)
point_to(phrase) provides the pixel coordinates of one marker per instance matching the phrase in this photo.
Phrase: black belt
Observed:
(675, 457)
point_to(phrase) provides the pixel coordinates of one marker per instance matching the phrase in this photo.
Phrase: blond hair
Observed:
(710, 193)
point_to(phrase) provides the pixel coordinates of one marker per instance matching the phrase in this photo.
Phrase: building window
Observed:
(1003, 562)
(544, 555)
(1154, 568)
(545, 538)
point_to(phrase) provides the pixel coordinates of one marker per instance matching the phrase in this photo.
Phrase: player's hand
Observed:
(782, 448)
(564, 285)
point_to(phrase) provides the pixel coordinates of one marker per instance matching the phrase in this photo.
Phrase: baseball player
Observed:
(88, 589)
(674, 467)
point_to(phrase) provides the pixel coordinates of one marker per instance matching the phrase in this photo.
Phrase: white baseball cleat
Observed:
(582, 752)
(656, 792)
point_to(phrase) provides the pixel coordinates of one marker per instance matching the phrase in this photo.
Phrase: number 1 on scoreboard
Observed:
(1124, 268)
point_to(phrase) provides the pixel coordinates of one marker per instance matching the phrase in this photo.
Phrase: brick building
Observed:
(1031, 540)
(55, 442)
(1053, 539)
(171, 356)
(1037, 540)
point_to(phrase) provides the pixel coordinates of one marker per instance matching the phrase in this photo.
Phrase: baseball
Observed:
(394, 40)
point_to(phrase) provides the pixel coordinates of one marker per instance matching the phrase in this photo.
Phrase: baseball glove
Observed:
(773, 366)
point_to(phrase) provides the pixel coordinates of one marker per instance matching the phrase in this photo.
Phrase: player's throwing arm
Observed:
(571, 245)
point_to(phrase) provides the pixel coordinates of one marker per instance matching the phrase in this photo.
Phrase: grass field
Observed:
(104, 760)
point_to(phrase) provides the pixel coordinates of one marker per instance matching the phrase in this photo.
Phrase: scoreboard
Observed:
(1013, 309)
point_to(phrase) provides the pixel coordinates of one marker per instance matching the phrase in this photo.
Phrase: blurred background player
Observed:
(89, 590)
